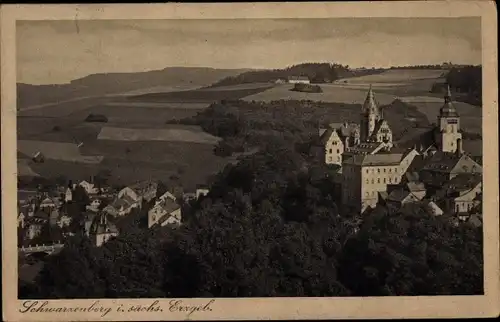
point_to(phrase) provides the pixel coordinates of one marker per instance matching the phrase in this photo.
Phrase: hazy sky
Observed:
(59, 51)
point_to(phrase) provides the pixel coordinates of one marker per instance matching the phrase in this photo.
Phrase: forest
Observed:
(245, 125)
(271, 225)
(468, 81)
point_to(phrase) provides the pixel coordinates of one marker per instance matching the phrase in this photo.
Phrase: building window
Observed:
(373, 181)
(331, 150)
(366, 170)
(367, 181)
(338, 150)
(384, 170)
(378, 170)
(378, 180)
(390, 180)
(390, 170)
(384, 180)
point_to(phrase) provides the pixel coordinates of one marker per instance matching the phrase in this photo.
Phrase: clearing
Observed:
(172, 135)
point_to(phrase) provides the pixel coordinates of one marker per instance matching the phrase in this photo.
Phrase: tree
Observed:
(73, 273)
(410, 252)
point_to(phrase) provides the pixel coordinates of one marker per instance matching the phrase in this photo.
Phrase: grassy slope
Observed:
(103, 84)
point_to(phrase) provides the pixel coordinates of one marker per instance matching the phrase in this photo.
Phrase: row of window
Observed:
(384, 180)
(331, 151)
(383, 170)
(372, 194)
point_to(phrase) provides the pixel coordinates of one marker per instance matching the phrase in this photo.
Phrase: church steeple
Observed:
(370, 106)
(448, 110)
(370, 115)
(449, 135)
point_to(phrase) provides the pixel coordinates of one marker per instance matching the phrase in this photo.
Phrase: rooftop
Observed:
(375, 159)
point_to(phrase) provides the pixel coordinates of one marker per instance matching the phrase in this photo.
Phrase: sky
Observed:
(55, 52)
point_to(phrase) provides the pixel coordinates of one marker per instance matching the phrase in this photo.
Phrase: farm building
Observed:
(299, 80)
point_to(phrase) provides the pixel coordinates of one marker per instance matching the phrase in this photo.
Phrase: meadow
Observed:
(168, 135)
(331, 94)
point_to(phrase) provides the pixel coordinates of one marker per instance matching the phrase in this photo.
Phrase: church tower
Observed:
(448, 131)
(370, 115)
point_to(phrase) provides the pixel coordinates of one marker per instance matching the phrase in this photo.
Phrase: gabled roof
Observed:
(399, 195)
(378, 126)
(464, 181)
(415, 186)
(326, 135)
(168, 205)
(345, 129)
(365, 147)
(442, 162)
(375, 159)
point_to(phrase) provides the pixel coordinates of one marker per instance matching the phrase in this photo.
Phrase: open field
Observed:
(331, 94)
(206, 95)
(470, 116)
(177, 163)
(172, 105)
(55, 151)
(170, 135)
(238, 87)
(396, 76)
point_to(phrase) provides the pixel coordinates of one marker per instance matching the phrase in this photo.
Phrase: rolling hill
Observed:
(171, 78)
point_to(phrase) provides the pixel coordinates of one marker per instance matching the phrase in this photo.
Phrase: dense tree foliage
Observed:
(96, 118)
(270, 226)
(316, 72)
(244, 125)
(467, 80)
(307, 88)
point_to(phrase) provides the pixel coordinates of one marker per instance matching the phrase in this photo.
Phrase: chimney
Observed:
(460, 150)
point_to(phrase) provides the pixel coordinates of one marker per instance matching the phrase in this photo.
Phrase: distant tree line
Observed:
(316, 72)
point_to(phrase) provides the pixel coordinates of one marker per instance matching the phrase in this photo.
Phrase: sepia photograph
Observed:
(246, 157)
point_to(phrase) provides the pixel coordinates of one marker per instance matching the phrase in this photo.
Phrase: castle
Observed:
(371, 164)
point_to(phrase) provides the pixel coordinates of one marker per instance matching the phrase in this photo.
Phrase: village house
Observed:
(165, 212)
(102, 230)
(201, 191)
(21, 217)
(90, 187)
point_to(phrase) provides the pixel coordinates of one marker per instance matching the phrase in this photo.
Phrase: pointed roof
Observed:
(448, 109)
(370, 105)
(101, 225)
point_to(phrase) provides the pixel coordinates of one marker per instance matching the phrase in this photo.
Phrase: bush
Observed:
(307, 88)
(96, 118)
